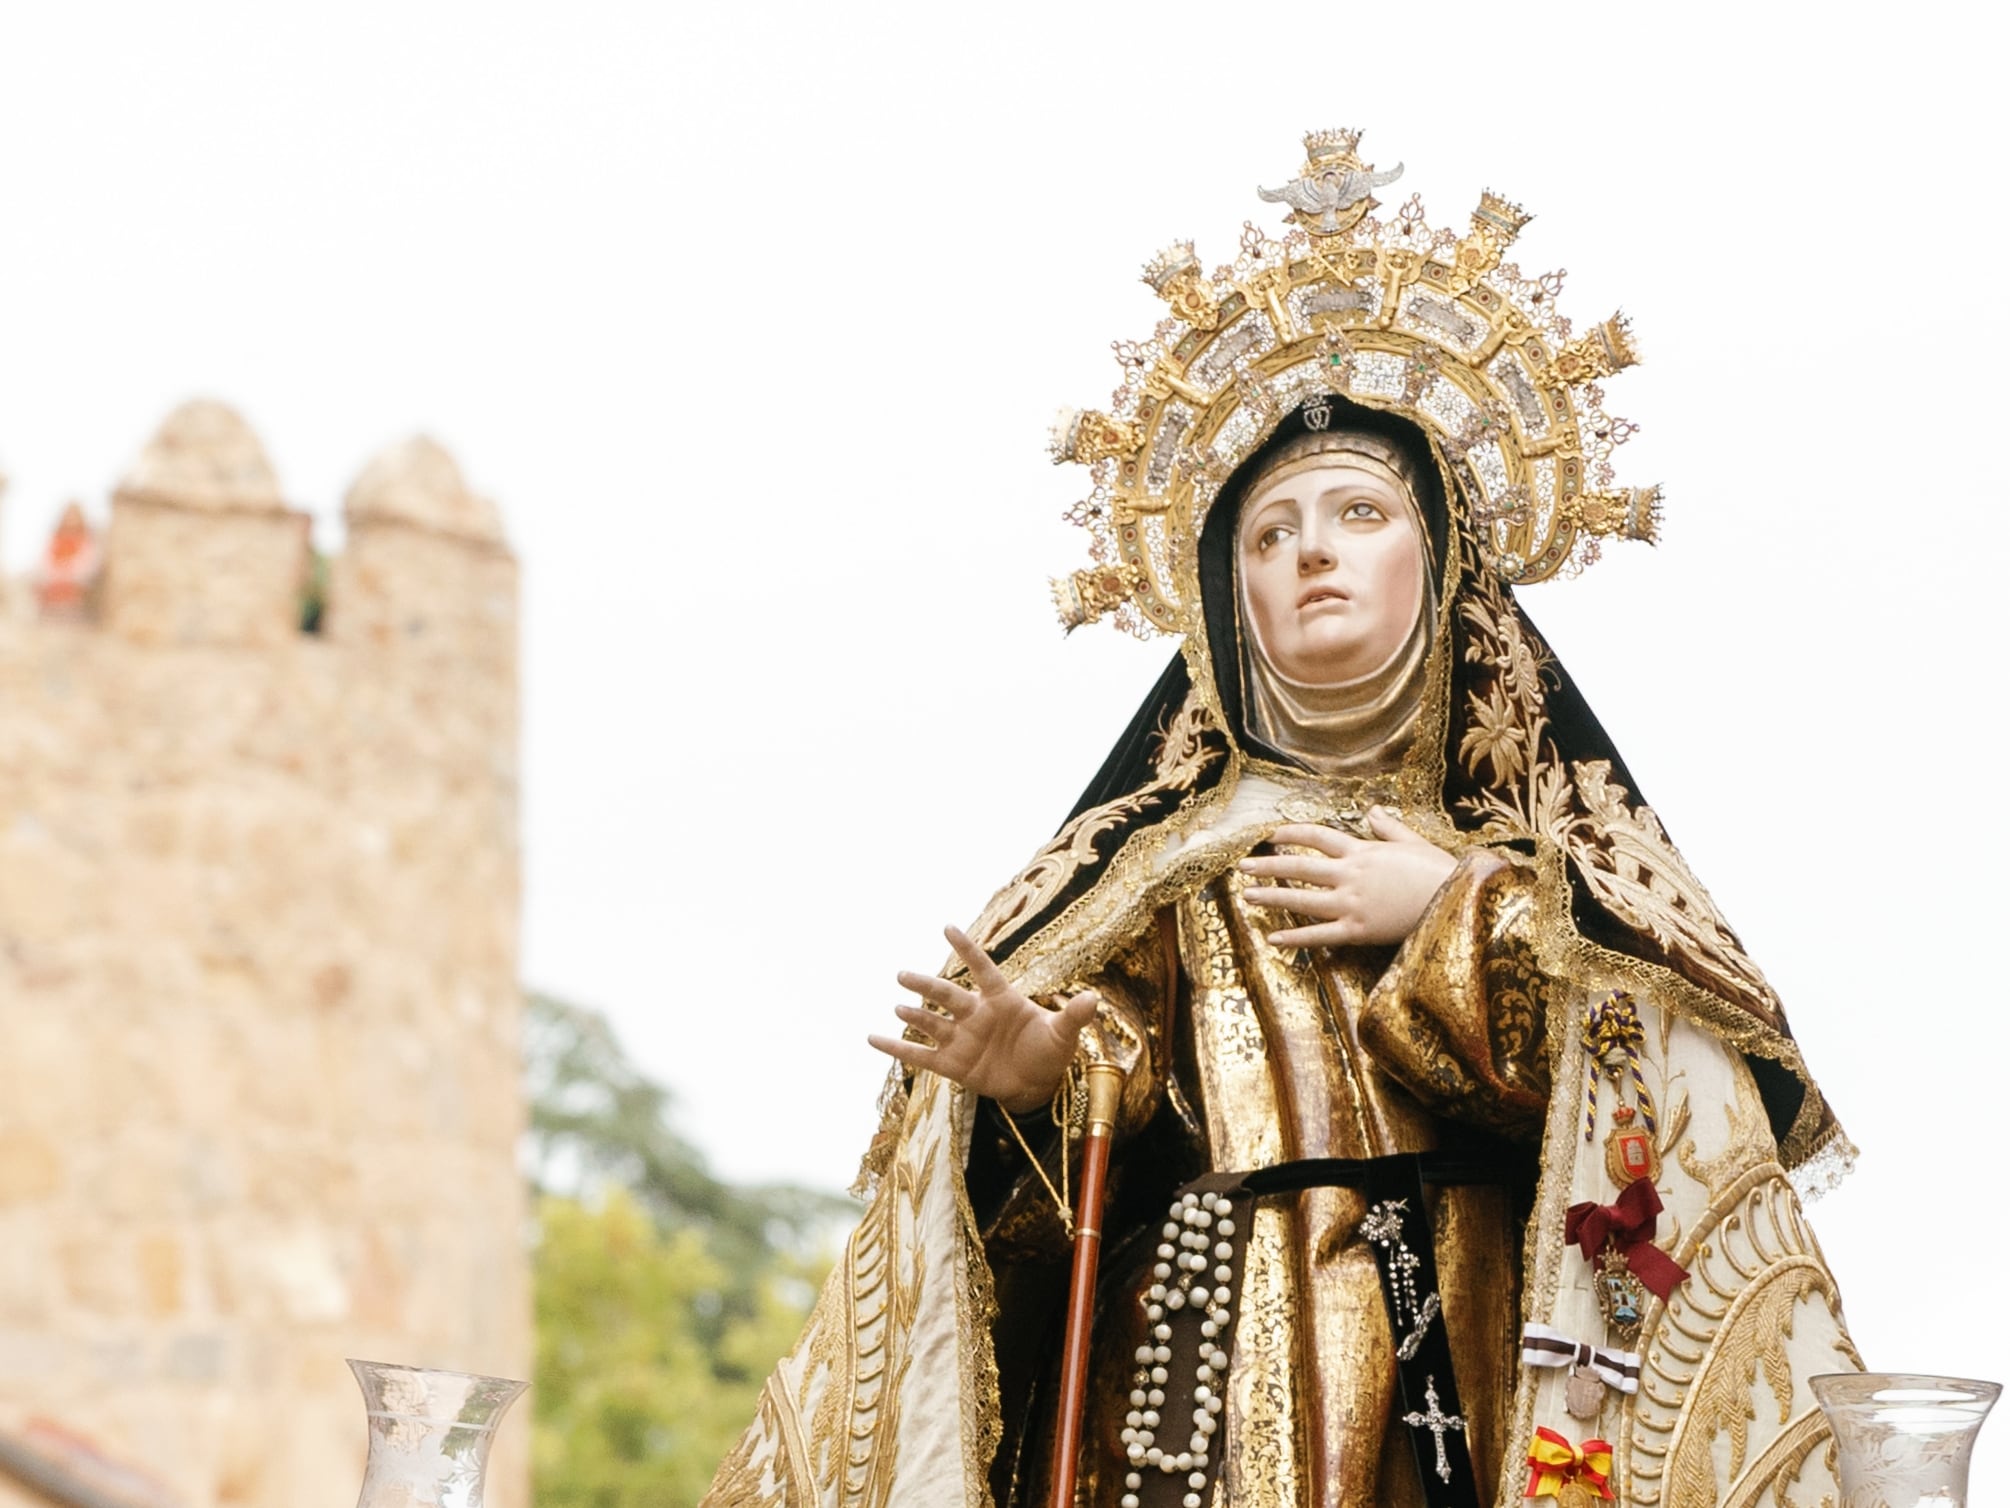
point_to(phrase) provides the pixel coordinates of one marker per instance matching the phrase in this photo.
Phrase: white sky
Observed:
(753, 321)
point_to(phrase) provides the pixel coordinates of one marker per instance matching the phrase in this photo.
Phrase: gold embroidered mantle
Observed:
(891, 1397)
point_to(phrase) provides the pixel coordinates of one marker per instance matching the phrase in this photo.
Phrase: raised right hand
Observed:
(993, 1039)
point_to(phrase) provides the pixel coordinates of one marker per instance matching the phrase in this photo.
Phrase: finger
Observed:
(1076, 1012)
(936, 1028)
(1326, 905)
(913, 1054)
(1327, 840)
(953, 999)
(983, 972)
(1391, 828)
(1313, 869)
(1331, 934)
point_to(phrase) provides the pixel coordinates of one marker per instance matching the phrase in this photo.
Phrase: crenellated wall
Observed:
(259, 1082)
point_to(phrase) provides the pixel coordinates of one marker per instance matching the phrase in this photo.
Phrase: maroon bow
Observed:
(1628, 1223)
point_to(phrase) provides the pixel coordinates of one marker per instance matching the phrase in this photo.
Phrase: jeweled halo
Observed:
(1421, 322)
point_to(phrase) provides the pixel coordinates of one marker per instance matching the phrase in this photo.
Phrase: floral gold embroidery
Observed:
(1755, 1274)
(1619, 849)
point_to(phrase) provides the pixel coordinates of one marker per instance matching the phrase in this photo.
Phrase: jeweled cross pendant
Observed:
(1437, 1422)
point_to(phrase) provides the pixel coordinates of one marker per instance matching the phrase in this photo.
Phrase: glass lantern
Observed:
(430, 1434)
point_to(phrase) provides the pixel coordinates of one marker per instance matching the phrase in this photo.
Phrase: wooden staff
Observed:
(1105, 1085)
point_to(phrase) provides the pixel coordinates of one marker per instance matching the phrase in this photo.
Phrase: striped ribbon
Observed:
(1542, 1346)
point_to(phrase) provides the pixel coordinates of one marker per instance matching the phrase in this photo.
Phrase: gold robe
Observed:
(1260, 1051)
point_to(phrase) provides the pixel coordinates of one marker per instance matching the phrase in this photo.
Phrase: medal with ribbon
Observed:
(1575, 1475)
(1619, 1239)
(1593, 1369)
(1613, 1037)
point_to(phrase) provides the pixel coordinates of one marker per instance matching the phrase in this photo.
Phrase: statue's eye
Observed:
(1272, 536)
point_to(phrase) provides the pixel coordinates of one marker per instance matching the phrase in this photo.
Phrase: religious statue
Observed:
(1458, 1146)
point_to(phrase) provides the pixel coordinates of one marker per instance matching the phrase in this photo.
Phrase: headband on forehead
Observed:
(1315, 448)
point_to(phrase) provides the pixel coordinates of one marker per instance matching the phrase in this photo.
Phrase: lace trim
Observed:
(1833, 1160)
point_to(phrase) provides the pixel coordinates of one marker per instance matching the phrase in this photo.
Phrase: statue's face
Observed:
(1332, 571)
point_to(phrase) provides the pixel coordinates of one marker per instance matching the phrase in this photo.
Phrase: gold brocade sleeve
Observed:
(1458, 1017)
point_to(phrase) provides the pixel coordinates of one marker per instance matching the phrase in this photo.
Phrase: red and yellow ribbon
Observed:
(1553, 1461)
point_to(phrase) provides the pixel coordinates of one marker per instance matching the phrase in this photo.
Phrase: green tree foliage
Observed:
(664, 1294)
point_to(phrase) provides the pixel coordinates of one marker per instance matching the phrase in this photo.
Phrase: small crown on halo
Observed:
(1334, 147)
(1174, 261)
(1500, 215)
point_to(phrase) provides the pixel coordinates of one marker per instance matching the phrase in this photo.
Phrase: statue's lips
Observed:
(1319, 594)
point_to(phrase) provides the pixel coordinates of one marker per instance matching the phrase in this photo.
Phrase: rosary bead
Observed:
(1159, 1375)
(1175, 1299)
(1133, 1481)
(1191, 1500)
(1224, 1227)
(1144, 1355)
(1151, 1418)
(1155, 1397)
(1161, 1354)
(1128, 1500)
(1137, 1398)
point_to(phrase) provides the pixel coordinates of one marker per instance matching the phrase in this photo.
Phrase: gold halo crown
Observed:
(1398, 316)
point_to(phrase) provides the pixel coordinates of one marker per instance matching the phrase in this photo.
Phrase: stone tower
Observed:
(259, 1084)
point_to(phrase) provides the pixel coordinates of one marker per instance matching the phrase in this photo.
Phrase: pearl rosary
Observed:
(1194, 1271)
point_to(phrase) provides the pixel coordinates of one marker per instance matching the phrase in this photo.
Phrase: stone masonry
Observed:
(259, 1085)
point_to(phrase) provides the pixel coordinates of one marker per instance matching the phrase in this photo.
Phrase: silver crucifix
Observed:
(1437, 1422)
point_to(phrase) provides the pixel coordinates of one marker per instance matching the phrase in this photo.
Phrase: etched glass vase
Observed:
(1903, 1440)
(430, 1434)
